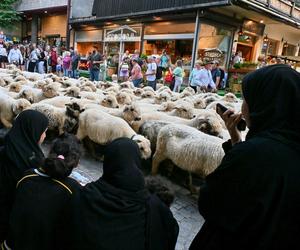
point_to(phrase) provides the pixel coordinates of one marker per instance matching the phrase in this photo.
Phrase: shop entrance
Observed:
(246, 50)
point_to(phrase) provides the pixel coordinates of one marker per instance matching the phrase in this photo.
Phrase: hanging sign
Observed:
(122, 34)
(213, 55)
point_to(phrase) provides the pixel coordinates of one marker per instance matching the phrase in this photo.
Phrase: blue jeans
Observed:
(152, 84)
(95, 74)
(137, 82)
(75, 73)
(67, 72)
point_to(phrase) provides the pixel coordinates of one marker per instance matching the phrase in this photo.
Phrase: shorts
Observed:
(3, 59)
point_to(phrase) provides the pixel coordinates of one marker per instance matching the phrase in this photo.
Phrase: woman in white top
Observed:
(194, 79)
(3, 56)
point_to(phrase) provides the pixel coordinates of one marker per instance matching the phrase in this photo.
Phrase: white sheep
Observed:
(189, 149)
(103, 128)
(58, 120)
(9, 108)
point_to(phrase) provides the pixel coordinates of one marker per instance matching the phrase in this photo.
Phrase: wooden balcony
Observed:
(283, 7)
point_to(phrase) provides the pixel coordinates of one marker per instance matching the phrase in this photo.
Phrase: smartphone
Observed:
(241, 126)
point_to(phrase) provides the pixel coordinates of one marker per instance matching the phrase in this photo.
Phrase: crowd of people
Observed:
(40, 59)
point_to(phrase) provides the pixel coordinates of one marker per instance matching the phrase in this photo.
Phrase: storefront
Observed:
(85, 40)
(214, 43)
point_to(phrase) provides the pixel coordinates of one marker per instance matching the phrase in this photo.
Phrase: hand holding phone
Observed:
(241, 126)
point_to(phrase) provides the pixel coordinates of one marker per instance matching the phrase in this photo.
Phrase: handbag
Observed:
(169, 77)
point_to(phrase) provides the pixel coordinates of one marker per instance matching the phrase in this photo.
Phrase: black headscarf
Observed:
(113, 208)
(21, 142)
(273, 96)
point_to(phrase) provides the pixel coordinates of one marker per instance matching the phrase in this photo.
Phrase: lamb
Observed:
(10, 107)
(189, 149)
(58, 120)
(103, 128)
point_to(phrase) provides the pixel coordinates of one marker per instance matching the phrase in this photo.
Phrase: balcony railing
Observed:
(284, 7)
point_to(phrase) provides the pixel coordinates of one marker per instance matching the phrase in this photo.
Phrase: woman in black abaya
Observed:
(21, 152)
(252, 200)
(117, 212)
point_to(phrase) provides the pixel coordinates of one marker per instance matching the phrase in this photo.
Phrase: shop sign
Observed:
(213, 55)
(253, 27)
(122, 34)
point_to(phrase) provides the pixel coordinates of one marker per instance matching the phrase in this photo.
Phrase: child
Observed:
(41, 217)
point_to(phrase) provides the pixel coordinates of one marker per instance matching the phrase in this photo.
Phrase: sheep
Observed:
(103, 128)
(20, 78)
(58, 101)
(162, 97)
(36, 95)
(203, 122)
(73, 92)
(90, 85)
(15, 87)
(196, 100)
(123, 98)
(138, 92)
(58, 120)
(148, 88)
(183, 109)
(230, 97)
(127, 85)
(10, 107)
(110, 101)
(189, 149)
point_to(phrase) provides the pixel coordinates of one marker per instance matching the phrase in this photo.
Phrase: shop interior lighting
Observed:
(127, 20)
(240, 32)
(45, 11)
(285, 45)
(266, 39)
(261, 21)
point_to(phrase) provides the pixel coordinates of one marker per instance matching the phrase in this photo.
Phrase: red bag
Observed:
(169, 77)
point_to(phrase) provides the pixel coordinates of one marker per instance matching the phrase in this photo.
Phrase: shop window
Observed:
(214, 43)
(84, 48)
(288, 49)
(169, 28)
(270, 47)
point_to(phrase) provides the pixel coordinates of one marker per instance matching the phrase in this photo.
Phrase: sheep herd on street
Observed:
(182, 127)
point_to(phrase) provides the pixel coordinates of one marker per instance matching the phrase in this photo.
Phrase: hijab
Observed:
(21, 142)
(273, 96)
(113, 208)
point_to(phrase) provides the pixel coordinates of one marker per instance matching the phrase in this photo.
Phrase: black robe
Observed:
(20, 153)
(252, 200)
(116, 212)
(42, 213)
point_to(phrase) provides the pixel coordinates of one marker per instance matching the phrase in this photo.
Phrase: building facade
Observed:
(44, 20)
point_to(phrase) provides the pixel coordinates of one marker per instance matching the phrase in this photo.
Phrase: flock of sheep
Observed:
(182, 127)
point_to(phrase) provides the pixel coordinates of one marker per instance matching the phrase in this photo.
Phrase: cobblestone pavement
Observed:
(184, 207)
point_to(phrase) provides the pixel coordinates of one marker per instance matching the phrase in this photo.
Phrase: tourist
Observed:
(216, 74)
(205, 81)
(96, 60)
(136, 55)
(21, 152)
(136, 73)
(124, 70)
(251, 201)
(67, 64)
(194, 79)
(126, 56)
(44, 199)
(164, 61)
(75, 64)
(33, 59)
(15, 56)
(117, 211)
(3, 55)
(41, 62)
(151, 72)
(59, 66)
(53, 59)
(178, 73)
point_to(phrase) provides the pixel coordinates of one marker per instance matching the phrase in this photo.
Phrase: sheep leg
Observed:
(191, 187)
(157, 159)
(5, 123)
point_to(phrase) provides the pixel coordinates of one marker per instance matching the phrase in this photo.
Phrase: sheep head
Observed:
(209, 125)
(15, 87)
(73, 92)
(131, 113)
(110, 101)
(27, 94)
(138, 92)
(50, 91)
(230, 97)
(144, 145)
(20, 105)
(123, 98)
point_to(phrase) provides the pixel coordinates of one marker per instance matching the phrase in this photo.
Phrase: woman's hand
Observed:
(231, 120)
